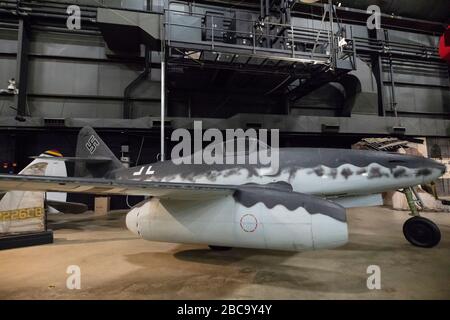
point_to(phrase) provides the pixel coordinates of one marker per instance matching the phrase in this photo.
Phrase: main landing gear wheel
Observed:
(421, 232)
(219, 248)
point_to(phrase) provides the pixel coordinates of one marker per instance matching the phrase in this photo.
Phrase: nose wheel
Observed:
(419, 231)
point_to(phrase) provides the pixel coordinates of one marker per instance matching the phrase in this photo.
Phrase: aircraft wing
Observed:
(370, 200)
(76, 159)
(181, 191)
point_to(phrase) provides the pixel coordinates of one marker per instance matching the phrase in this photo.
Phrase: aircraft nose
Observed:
(433, 170)
(433, 164)
(132, 221)
(441, 167)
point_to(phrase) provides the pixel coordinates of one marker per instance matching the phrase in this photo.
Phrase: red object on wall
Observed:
(444, 45)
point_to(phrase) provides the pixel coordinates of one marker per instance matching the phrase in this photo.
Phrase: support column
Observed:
(377, 69)
(332, 42)
(163, 85)
(23, 44)
(163, 103)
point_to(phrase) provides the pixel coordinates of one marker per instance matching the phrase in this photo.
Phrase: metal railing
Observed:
(382, 46)
(254, 36)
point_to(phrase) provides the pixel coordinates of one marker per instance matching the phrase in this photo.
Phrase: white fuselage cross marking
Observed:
(148, 172)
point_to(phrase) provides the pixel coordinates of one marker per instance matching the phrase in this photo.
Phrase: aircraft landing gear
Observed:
(419, 231)
(219, 248)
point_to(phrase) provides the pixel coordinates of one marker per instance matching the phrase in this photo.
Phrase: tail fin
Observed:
(91, 146)
(24, 210)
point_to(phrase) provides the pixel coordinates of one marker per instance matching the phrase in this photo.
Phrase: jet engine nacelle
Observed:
(250, 218)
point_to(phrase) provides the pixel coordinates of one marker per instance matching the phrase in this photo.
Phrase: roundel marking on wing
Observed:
(249, 223)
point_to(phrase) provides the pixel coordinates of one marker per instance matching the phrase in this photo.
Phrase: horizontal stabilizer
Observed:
(67, 207)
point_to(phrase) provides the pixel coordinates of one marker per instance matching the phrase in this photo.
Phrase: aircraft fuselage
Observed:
(324, 172)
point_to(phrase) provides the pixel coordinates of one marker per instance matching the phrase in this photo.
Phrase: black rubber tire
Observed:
(219, 248)
(421, 232)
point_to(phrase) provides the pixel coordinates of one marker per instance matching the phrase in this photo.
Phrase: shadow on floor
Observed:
(257, 267)
(86, 221)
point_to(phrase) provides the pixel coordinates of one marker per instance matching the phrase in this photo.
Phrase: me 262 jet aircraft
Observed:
(300, 206)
